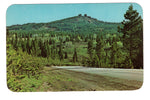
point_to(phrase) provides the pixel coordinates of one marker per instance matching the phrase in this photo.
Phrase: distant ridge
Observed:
(78, 24)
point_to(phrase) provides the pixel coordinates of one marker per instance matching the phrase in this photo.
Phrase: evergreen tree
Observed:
(60, 52)
(33, 47)
(28, 45)
(40, 44)
(53, 51)
(90, 48)
(98, 46)
(95, 61)
(133, 36)
(75, 57)
(100, 50)
(23, 45)
(15, 43)
(114, 50)
(66, 56)
(36, 48)
(86, 39)
(50, 41)
(47, 50)
(67, 39)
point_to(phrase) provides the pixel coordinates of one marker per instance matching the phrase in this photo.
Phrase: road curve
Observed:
(130, 74)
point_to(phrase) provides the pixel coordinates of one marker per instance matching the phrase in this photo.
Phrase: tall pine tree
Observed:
(114, 50)
(100, 50)
(60, 52)
(90, 48)
(75, 58)
(132, 29)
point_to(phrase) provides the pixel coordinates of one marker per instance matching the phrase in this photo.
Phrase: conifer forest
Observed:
(75, 41)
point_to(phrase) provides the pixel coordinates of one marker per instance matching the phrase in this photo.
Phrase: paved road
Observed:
(130, 74)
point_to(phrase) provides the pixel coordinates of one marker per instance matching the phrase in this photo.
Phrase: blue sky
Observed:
(36, 13)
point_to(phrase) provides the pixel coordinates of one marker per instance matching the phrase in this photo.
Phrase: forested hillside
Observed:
(75, 41)
(77, 24)
(81, 40)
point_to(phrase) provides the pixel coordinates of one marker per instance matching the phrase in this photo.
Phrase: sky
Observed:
(42, 13)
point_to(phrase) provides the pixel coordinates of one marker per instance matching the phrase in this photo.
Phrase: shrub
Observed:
(19, 66)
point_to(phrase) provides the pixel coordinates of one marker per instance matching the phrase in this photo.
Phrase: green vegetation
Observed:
(76, 24)
(133, 36)
(52, 79)
(75, 41)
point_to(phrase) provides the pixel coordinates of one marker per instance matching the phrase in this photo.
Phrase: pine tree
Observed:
(66, 55)
(50, 41)
(33, 47)
(53, 51)
(60, 52)
(28, 45)
(40, 44)
(133, 36)
(36, 48)
(90, 48)
(75, 57)
(100, 50)
(114, 50)
(45, 51)
(23, 45)
(15, 44)
(98, 46)
(96, 62)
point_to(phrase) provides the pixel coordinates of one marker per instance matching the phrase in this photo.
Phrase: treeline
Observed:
(123, 50)
(102, 51)
(130, 55)
(107, 53)
(49, 47)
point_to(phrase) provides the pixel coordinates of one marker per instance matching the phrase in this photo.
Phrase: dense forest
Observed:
(75, 41)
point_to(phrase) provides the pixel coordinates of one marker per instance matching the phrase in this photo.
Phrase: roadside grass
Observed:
(57, 80)
(54, 79)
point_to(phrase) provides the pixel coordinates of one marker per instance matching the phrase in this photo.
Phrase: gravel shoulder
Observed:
(129, 74)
